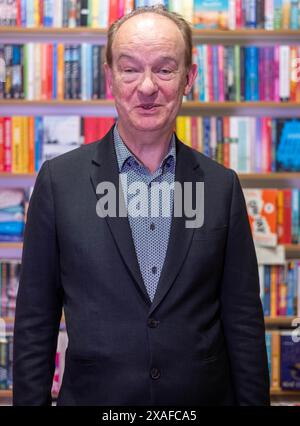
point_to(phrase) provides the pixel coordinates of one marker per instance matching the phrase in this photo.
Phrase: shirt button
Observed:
(152, 226)
(152, 323)
(155, 373)
(154, 269)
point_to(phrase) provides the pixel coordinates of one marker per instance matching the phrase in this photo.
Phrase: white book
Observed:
(84, 71)
(30, 13)
(269, 14)
(231, 15)
(176, 6)
(37, 71)
(29, 48)
(58, 15)
(261, 274)
(103, 13)
(284, 72)
(233, 145)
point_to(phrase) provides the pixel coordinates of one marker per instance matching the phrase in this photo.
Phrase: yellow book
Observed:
(180, 128)
(274, 289)
(275, 375)
(188, 131)
(36, 13)
(60, 71)
(95, 14)
(286, 13)
(16, 122)
(25, 145)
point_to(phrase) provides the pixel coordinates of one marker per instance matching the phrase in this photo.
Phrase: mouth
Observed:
(148, 107)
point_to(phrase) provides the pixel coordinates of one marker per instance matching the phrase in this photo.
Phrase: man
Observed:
(158, 311)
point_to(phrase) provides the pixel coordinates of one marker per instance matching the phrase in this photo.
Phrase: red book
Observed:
(18, 22)
(238, 13)
(121, 8)
(7, 144)
(287, 217)
(89, 130)
(210, 73)
(104, 125)
(113, 11)
(49, 85)
(1, 144)
(194, 132)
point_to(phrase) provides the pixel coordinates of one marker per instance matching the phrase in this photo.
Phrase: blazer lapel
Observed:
(187, 170)
(104, 168)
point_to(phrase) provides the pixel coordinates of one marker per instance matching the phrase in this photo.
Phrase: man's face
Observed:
(148, 77)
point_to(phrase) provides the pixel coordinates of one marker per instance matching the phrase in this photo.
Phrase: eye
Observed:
(129, 70)
(165, 71)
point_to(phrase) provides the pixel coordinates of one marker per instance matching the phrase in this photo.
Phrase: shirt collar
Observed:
(123, 153)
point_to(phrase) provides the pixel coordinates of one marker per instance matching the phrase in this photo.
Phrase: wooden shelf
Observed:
(105, 107)
(279, 321)
(12, 245)
(280, 392)
(98, 35)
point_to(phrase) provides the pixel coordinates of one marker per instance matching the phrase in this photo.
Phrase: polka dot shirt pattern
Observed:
(150, 232)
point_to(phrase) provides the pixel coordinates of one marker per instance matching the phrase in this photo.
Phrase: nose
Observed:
(147, 85)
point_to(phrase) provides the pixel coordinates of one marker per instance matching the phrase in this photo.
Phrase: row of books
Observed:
(26, 142)
(43, 71)
(6, 361)
(274, 215)
(245, 144)
(9, 284)
(280, 289)
(283, 349)
(247, 73)
(223, 14)
(12, 215)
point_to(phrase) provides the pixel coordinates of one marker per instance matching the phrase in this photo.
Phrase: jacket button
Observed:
(155, 373)
(152, 323)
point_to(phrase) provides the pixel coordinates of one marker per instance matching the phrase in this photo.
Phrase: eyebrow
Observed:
(162, 59)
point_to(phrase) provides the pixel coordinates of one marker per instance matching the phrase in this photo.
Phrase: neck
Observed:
(148, 147)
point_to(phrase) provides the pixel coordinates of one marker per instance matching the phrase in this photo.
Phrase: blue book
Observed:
(250, 13)
(287, 144)
(290, 289)
(38, 142)
(48, 13)
(290, 361)
(295, 15)
(269, 352)
(215, 67)
(206, 136)
(295, 215)
(251, 67)
(11, 228)
(200, 79)
(23, 13)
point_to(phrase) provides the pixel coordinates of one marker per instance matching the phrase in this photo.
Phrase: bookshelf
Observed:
(106, 108)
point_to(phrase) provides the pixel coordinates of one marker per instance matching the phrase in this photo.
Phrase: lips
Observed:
(148, 106)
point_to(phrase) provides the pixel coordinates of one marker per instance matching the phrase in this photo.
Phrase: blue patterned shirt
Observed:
(151, 227)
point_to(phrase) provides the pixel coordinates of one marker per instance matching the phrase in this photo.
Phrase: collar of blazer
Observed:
(104, 168)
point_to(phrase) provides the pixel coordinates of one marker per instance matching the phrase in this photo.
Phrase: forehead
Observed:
(150, 33)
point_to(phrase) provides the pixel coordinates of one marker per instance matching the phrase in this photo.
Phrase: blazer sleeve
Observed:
(241, 308)
(39, 300)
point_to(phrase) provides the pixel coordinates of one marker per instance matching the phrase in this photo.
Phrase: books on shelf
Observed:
(12, 214)
(280, 289)
(222, 14)
(245, 144)
(6, 361)
(9, 284)
(26, 142)
(45, 71)
(274, 215)
(283, 349)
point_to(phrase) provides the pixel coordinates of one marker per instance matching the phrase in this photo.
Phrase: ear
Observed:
(108, 74)
(190, 78)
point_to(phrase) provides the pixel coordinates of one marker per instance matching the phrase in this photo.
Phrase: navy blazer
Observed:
(201, 341)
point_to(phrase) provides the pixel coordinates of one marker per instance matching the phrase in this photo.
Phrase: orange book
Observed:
(275, 375)
(226, 144)
(262, 212)
(273, 291)
(24, 144)
(31, 144)
(280, 216)
(294, 84)
(60, 71)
